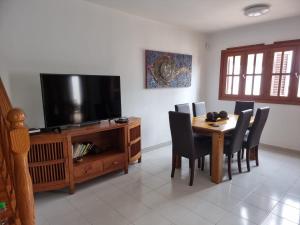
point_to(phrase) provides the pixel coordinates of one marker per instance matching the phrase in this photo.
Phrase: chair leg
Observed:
(199, 162)
(173, 164)
(243, 153)
(239, 161)
(248, 159)
(192, 168)
(203, 162)
(229, 166)
(256, 156)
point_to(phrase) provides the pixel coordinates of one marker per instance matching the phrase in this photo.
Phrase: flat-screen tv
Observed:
(72, 99)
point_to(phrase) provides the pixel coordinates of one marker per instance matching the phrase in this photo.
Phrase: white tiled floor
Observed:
(268, 195)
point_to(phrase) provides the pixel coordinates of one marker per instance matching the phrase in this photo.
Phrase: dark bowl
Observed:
(223, 114)
(209, 116)
(216, 115)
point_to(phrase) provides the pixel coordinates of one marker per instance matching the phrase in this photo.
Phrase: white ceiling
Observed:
(203, 15)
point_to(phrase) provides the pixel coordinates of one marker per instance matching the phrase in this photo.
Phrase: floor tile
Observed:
(102, 213)
(250, 213)
(209, 211)
(277, 220)
(269, 195)
(180, 215)
(261, 202)
(151, 219)
(231, 219)
(129, 207)
(291, 200)
(287, 212)
(152, 199)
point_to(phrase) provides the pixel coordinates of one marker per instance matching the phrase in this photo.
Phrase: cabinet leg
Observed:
(140, 160)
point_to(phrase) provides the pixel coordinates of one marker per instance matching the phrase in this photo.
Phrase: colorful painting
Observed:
(165, 69)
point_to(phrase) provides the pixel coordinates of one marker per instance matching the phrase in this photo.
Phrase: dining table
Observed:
(217, 130)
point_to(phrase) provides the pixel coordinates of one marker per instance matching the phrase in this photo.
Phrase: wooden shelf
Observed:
(96, 157)
(50, 157)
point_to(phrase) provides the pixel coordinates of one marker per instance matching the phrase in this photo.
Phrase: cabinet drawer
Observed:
(88, 169)
(116, 162)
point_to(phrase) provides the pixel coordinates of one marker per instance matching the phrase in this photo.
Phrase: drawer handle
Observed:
(115, 163)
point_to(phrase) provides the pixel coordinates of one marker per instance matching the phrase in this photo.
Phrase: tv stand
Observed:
(51, 162)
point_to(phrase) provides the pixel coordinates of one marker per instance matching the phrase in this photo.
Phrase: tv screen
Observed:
(71, 99)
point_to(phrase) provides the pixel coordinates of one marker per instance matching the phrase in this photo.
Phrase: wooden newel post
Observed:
(20, 144)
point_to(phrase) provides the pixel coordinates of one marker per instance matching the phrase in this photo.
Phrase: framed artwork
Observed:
(164, 69)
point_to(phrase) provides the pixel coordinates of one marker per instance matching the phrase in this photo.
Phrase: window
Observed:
(263, 73)
(281, 73)
(253, 74)
(233, 75)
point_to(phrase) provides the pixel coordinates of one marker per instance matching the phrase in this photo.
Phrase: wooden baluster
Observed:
(20, 144)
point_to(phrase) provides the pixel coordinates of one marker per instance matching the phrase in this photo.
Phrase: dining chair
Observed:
(199, 109)
(243, 105)
(252, 140)
(184, 108)
(184, 143)
(233, 144)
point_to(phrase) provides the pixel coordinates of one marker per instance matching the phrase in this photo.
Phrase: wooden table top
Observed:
(199, 124)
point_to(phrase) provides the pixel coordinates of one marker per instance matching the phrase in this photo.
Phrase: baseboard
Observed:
(278, 148)
(154, 147)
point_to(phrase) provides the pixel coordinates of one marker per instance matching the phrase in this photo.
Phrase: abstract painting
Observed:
(165, 69)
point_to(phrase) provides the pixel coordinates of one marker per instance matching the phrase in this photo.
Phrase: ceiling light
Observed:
(256, 10)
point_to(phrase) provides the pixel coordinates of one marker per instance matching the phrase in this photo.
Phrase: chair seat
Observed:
(228, 138)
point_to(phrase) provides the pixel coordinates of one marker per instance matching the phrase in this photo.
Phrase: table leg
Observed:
(217, 157)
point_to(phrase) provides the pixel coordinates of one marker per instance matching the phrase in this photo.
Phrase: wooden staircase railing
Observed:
(15, 182)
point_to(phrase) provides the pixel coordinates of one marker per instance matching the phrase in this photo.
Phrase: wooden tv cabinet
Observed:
(50, 158)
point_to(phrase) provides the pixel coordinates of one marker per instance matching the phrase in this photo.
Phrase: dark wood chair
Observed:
(251, 141)
(184, 143)
(199, 109)
(243, 105)
(233, 144)
(184, 108)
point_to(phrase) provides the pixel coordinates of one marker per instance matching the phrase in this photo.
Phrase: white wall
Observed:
(282, 128)
(74, 36)
(5, 79)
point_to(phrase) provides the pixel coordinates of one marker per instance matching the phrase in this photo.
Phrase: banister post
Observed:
(20, 144)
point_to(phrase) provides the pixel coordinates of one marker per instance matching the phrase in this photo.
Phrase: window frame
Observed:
(266, 76)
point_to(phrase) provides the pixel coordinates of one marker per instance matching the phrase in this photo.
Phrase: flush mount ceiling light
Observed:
(256, 10)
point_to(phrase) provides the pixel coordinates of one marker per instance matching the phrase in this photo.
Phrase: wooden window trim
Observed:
(267, 50)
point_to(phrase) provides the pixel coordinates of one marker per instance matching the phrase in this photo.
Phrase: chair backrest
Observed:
(243, 105)
(183, 108)
(258, 126)
(181, 133)
(199, 109)
(240, 130)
